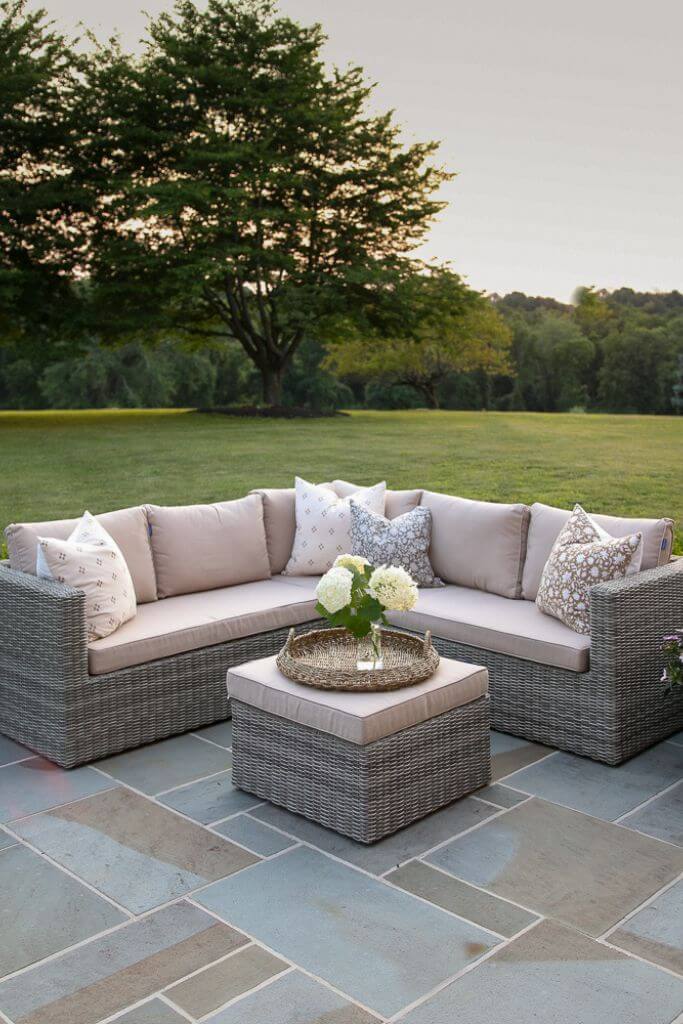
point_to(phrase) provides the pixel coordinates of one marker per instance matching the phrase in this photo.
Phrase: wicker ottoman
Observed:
(365, 764)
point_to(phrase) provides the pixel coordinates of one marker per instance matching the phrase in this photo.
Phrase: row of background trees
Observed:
(221, 219)
(561, 359)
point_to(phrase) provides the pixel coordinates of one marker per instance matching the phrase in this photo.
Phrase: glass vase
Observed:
(370, 650)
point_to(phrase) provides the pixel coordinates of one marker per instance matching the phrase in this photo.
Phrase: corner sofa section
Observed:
(164, 671)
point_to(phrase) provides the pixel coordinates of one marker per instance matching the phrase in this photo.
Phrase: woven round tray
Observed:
(326, 659)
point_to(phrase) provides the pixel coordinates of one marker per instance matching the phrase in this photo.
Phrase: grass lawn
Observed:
(55, 464)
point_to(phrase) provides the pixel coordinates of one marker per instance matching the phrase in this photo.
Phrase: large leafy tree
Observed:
(432, 325)
(246, 190)
(41, 212)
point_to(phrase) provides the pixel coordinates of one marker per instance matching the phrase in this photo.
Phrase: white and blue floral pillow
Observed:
(403, 541)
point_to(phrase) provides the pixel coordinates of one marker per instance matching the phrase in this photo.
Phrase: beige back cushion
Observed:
(395, 502)
(547, 521)
(201, 547)
(478, 544)
(279, 516)
(127, 526)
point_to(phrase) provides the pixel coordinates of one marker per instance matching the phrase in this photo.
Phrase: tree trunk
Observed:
(430, 390)
(271, 380)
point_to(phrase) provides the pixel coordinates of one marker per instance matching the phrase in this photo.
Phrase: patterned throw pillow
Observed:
(580, 558)
(403, 541)
(91, 561)
(323, 525)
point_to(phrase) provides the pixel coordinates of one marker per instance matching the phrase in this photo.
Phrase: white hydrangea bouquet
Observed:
(355, 595)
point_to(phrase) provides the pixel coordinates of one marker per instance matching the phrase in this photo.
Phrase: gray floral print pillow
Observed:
(580, 558)
(403, 541)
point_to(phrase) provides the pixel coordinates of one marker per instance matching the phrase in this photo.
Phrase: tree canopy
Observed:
(246, 191)
(39, 205)
(438, 326)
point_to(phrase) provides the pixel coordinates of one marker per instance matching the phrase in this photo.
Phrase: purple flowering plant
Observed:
(672, 648)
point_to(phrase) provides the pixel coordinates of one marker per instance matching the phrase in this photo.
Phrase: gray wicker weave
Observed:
(50, 703)
(365, 792)
(618, 707)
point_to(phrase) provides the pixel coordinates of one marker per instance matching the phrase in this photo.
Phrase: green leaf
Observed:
(371, 608)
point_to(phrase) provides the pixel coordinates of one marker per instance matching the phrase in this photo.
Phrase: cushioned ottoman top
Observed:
(357, 717)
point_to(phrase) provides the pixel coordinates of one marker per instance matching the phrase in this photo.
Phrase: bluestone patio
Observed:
(145, 889)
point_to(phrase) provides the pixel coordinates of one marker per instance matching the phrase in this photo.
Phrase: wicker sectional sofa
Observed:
(164, 671)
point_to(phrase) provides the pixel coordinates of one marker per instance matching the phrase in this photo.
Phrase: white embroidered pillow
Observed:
(91, 561)
(580, 558)
(403, 541)
(323, 525)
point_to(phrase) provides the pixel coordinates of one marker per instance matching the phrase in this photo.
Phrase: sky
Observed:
(563, 121)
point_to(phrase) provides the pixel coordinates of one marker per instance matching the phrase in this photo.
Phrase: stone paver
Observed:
(6, 839)
(598, 789)
(656, 931)
(36, 785)
(11, 751)
(380, 945)
(254, 835)
(43, 910)
(509, 753)
(134, 851)
(390, 852)
(220, 733)
(218, 984)
(499, 859)
(501, 796)
(166, 764)
(152, 1012)
(111, 973)
(293, 999)
(661, 818)
(460, 898)
(555, 975)
(558, 862)
(210, 799)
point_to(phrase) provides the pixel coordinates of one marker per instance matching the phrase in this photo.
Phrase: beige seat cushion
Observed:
(547, 521)
(202, 547)
(128, 527)
(308, 583)
(396, 503)
(478, 544)
(357, 717)
(191, 621)
(497, 624)
(279, 513)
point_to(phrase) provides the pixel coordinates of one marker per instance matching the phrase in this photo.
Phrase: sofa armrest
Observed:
(43, 638)
(629, 618)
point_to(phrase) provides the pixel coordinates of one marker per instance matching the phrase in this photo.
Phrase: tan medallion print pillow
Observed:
(91, 561)
(580, 558)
